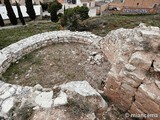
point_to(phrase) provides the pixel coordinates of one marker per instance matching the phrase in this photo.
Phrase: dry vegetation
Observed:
(57, 64)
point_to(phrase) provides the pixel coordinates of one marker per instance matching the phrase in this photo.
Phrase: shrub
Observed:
(77, 107)
(82, 11)
(53, 9)
(25, 112)
(73, 17)
(63, 20)
(44, 6)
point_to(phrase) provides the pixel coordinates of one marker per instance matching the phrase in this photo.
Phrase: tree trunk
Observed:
(10, 12)
(20, 14)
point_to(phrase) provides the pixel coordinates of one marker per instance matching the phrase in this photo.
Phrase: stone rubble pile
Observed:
(133, 81)
(44, 99)
(96, 58)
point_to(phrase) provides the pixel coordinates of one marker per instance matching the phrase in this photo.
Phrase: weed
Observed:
(21, 68)
(25, 112)
(146, 46)
(77, 107)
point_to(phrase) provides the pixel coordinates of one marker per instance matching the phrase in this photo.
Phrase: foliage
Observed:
(25, 112)
(73, 16)
(63, 20)
(20, 14)
(44, 6)
(53, 9)
(10, 12)
(82, 11)
(30, 9)
(1, 21)
(78, 106)
(100, 25)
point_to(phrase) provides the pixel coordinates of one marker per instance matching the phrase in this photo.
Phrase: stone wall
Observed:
(16, 97)
(15, 51)
(133, 83)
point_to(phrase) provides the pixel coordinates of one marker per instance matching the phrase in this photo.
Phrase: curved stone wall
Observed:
(133, 83)
(10, 94)
(15, 51)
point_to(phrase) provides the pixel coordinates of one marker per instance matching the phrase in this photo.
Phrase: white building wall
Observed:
(93, 4)
(3, 11)
(92, 12)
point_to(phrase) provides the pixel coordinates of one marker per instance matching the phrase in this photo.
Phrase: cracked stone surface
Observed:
(133, 81)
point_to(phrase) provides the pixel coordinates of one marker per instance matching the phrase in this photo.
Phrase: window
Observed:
(0, 2)
(137, 4)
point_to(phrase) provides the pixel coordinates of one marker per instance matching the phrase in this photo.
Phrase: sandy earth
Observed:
(57, 64)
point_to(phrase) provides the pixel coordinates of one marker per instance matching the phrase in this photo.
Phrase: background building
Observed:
(135, 6)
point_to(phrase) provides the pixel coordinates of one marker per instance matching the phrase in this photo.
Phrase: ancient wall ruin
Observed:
(15, 51)
(133, 83)
(14, 97)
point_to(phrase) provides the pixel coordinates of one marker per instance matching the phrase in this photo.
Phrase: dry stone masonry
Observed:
(15, 51)
(12, 96)
(133, 83)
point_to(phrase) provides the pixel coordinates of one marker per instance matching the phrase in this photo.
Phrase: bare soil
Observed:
(57, 64)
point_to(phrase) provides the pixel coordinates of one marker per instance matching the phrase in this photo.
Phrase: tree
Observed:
(73, 17)
(1, 21)
(10, 12)
(82, 11)
(30, 9)
(53, 9)
(44, 6)
(20, 14)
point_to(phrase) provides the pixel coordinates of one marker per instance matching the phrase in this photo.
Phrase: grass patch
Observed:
(105, 24)
(9, 36)
(20, 67)
(77, 107)
(97, 25)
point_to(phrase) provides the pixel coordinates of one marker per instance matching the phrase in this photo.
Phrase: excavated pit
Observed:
(57, 64)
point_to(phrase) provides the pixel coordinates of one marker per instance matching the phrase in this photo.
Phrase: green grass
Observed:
(103, 24)
(9, 36)
(97, 25)
(21, 67)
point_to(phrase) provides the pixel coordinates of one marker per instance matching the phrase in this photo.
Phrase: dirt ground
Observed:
(57, 64)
